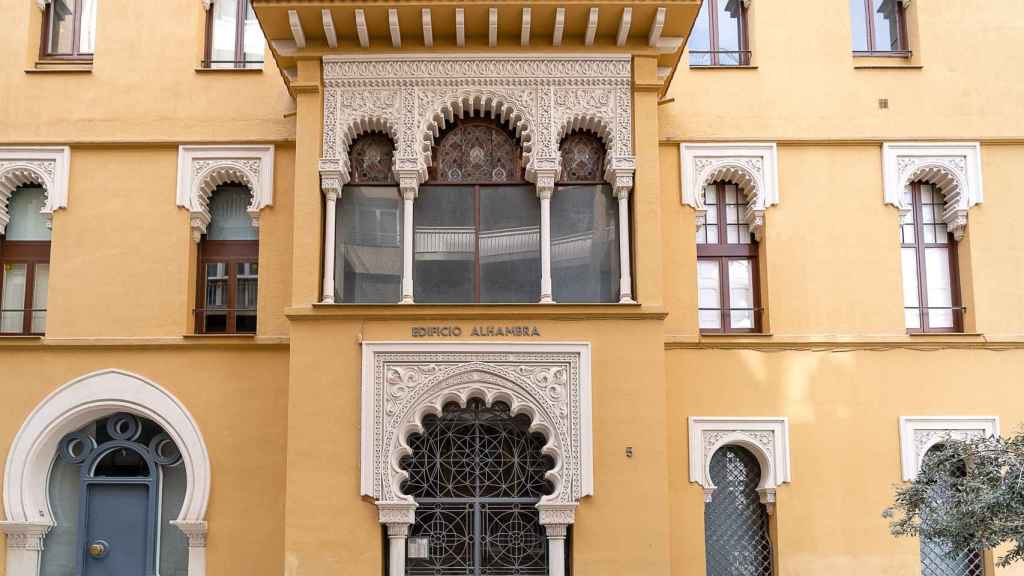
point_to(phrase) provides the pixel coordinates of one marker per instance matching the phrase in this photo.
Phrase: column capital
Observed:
(619, 173)
(395, 514)
(545, 178)
(25, 535)
(408, 183)
(195, 531)
(332, 177)
(560, 514)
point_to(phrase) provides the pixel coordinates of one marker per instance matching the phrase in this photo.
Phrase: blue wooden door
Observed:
(116, 530)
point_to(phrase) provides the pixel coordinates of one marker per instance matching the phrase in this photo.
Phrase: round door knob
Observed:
(98, 549)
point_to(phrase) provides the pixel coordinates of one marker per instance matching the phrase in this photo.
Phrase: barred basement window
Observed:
(936, 558)
(736, 535)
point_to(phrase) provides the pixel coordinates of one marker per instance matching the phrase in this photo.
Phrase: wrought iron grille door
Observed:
(477, 474)
(735, 521)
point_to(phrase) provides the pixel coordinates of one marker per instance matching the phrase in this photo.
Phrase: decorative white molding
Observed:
(953, 167)
(330, 32)
(753, 167)
(624, 24)
(492, 27)
(44, 3)
(591, 33)
(549, 382)
(428, 28)
(394, 28)
(460, 27)
(766, 438)
(361, 30)
(46, 166)
(524, 30)
(559, 31)
(918, 434)
(540, 97)
(207, 4)
(27, 509)
(202, 168)
(657, 25)
(298, 34)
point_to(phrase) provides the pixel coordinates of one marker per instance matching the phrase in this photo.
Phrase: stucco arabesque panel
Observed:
(539, 97)
(546, 386)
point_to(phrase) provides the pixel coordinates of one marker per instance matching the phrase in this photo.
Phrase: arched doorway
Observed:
(477, 474)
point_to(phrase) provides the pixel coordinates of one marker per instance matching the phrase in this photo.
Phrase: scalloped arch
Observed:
(764, 459)
(746, 179)
(13, 176)
(359, 126)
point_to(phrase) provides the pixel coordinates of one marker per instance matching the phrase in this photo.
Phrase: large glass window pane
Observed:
(709, 296)
(368, 255)
(40, 282)
(253, 40)
(445, 245)
(62, 27)
(12, 317)
(27, 220)
(912, 313)
(584, 244)
(87, 34)
(509, 244)
(887, 24)
(728, 17)
(940, 293)
(225, 27)
(246, 288)
(216, 316)
(230, 219)
(741, 294)
(699, 43)
(859, 23)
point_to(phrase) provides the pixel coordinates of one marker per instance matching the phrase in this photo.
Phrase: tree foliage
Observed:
(968, 495)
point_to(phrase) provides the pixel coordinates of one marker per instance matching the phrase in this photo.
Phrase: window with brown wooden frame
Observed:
(24, 265)
(931, 277)
(727, 267)
(233, 36)
(719, 35)
(879, 28)
(228, 270)
(69, 30)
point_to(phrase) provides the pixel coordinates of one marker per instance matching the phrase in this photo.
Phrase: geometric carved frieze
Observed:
(918, 434)
(201, 169)
(45, 166)
(752, 167)
(403, 382)
(953, 167)
(766, 438)
(539, 97)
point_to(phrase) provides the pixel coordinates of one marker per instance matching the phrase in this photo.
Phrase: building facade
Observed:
(676, 288)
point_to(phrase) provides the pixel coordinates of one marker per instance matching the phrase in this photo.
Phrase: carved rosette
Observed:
(546, 386)
(540, 98)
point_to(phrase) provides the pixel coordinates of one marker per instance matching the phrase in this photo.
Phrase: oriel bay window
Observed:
(727, 267)
(69, 29)
(233, 36)
(931, 283)
(24, 264)
(879, 28)
(228, 266)
(719, 36)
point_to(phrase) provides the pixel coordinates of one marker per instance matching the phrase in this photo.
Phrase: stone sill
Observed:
(203, 70)
(61, 67)
(744, 67)
(477, 311)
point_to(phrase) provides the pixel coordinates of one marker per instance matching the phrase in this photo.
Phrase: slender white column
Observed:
(625, 278)
(545, 246)
(329, 251)
(556, 549)
(397, 535)
(407, 245)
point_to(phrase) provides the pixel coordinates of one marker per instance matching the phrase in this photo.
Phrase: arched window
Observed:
(476, 221)
(584, 225)
(368, 251)
(727, 267)
(719, 36)
(114, 487)
(736, 536)
(931, 279)
(936, 558)
(228, 265)
(25, 260)
(477, 474)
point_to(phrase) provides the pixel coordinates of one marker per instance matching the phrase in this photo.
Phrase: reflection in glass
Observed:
(12, 317)
(28, 222)
(246, 287)
(741, 294)
(225, 26)
(887, 24)
(858, 20)
(908, 259)
(252, 39)
(62, 27)
(699, 43)
(87, 34)
(709, 294)
(230, 219)
(369, 249)
(584, 244)
(216, 297)
(445, 244)
(729, 32)
(40, 282)
(509, 244)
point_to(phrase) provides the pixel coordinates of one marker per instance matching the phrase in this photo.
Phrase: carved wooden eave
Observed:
(302, 29)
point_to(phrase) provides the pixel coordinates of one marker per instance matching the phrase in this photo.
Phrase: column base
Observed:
(547, 299)
(626, 300)
(406, 300)
(327, 301)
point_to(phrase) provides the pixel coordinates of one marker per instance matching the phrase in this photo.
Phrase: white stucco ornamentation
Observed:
(919, 433)
(953, 167)
(539, 97)
(26, 505)
(47, 167)
(202, 168)
(752, 167)
(766, 438)
(550, 383)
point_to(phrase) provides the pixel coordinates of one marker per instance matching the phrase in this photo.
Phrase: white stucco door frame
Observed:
(548, 381)
(28, 515)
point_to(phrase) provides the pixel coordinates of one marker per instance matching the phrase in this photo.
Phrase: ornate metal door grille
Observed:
(735, 521)
(477, 474)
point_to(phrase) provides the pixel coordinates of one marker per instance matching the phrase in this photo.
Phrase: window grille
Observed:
(582, 158)
(372, 159)
(477, 152)
(477, 474)
(938, 559)
(735, 521)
